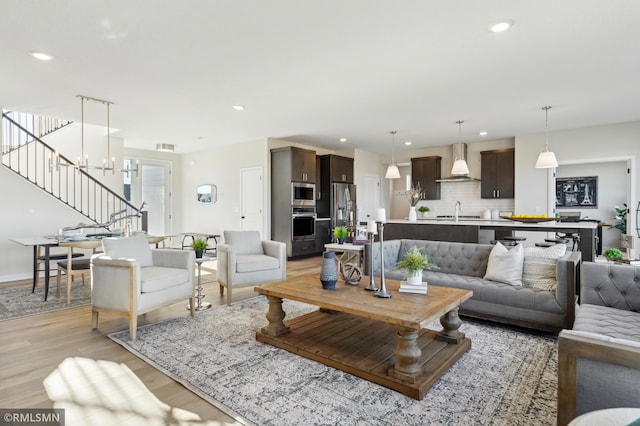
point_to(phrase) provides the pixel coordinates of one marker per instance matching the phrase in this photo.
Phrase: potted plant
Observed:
(613, 254)
(424, 211)
(621, 217)
(340, 233)
(414, 262)
(199, 245)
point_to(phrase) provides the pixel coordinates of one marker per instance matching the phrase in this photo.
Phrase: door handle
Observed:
(242, 217)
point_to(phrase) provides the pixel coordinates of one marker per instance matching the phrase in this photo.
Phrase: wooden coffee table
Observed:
(381, 340)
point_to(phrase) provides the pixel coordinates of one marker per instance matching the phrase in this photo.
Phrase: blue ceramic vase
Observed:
(328, 271)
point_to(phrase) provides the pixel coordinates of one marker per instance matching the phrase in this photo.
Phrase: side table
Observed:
(199, 296)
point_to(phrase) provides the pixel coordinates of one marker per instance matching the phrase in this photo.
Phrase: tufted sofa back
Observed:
(456, 258)
(608, 284)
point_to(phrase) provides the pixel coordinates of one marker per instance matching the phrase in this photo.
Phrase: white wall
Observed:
(221, 168)
(27, 212)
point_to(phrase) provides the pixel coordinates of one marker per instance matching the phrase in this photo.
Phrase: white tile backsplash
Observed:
(468, 193)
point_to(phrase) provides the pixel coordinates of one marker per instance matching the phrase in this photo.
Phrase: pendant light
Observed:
(546, 159)
(460, 166)
(392, 170)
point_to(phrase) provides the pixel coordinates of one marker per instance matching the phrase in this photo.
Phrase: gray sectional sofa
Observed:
(463, 265)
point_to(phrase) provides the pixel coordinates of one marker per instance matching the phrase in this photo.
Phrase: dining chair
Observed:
(78, 267)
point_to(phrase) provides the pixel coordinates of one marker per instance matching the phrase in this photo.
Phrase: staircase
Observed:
(27, 155)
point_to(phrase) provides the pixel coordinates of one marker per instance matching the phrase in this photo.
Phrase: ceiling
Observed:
(316, 71)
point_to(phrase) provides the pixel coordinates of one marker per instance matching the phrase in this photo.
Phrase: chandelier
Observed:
(108, 163)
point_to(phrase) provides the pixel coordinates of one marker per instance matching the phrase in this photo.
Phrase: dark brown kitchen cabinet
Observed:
(323, 234)
(337, 168)
(303, 163)
(426, 170)
(497, 173)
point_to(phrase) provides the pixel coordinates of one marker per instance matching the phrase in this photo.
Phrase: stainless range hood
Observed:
(455, 151)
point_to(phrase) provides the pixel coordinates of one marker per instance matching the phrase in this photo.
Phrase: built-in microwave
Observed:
(303, 194)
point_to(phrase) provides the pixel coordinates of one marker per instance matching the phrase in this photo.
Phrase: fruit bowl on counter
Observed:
(527, 218)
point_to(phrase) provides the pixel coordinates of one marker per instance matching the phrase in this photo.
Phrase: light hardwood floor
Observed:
(32, 347)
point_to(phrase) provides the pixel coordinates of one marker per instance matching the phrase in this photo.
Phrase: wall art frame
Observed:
(577, 192)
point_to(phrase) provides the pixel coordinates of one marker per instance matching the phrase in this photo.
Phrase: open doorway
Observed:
(615, 187)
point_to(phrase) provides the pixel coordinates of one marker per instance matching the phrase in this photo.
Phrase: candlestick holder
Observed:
(372, 285)
(382, 292)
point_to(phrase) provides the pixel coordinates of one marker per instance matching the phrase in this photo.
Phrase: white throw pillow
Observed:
(504, 265)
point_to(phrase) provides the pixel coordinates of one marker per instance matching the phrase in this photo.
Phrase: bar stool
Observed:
(506, 243)
(514, 238)
(545, 244)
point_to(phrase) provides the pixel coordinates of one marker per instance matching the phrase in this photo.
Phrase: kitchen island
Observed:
(468, 231)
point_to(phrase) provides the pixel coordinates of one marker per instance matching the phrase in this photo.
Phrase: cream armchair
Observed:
(245, 260)
(130, 278)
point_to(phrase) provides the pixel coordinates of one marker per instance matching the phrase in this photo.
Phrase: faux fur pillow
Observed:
(553, 252)
(504, 265)
(539, 272)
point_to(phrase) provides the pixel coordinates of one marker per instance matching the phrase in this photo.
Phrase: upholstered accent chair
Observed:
(131, 279)
(246, 260)
(599, 359)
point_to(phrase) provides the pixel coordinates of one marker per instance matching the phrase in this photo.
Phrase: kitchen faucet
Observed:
(458, 208)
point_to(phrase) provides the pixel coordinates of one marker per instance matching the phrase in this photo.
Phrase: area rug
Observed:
(19, 301)
(507, 378)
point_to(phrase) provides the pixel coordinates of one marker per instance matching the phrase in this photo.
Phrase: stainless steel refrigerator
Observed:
(343, 206)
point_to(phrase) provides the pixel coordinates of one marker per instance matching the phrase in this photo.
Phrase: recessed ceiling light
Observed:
(238, 107)
(343, 139)
(483, 133)
(501, 26)
(407, 143)
(41, 56)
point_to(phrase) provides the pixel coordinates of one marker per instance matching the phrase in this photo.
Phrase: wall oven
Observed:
(303, 194)
(303, 223)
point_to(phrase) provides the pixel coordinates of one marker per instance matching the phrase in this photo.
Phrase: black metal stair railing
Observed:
(31, 158)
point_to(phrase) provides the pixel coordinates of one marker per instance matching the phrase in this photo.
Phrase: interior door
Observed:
(371, 197)
(252, 199)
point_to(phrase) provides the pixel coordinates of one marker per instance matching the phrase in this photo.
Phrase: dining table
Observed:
(71, 243)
